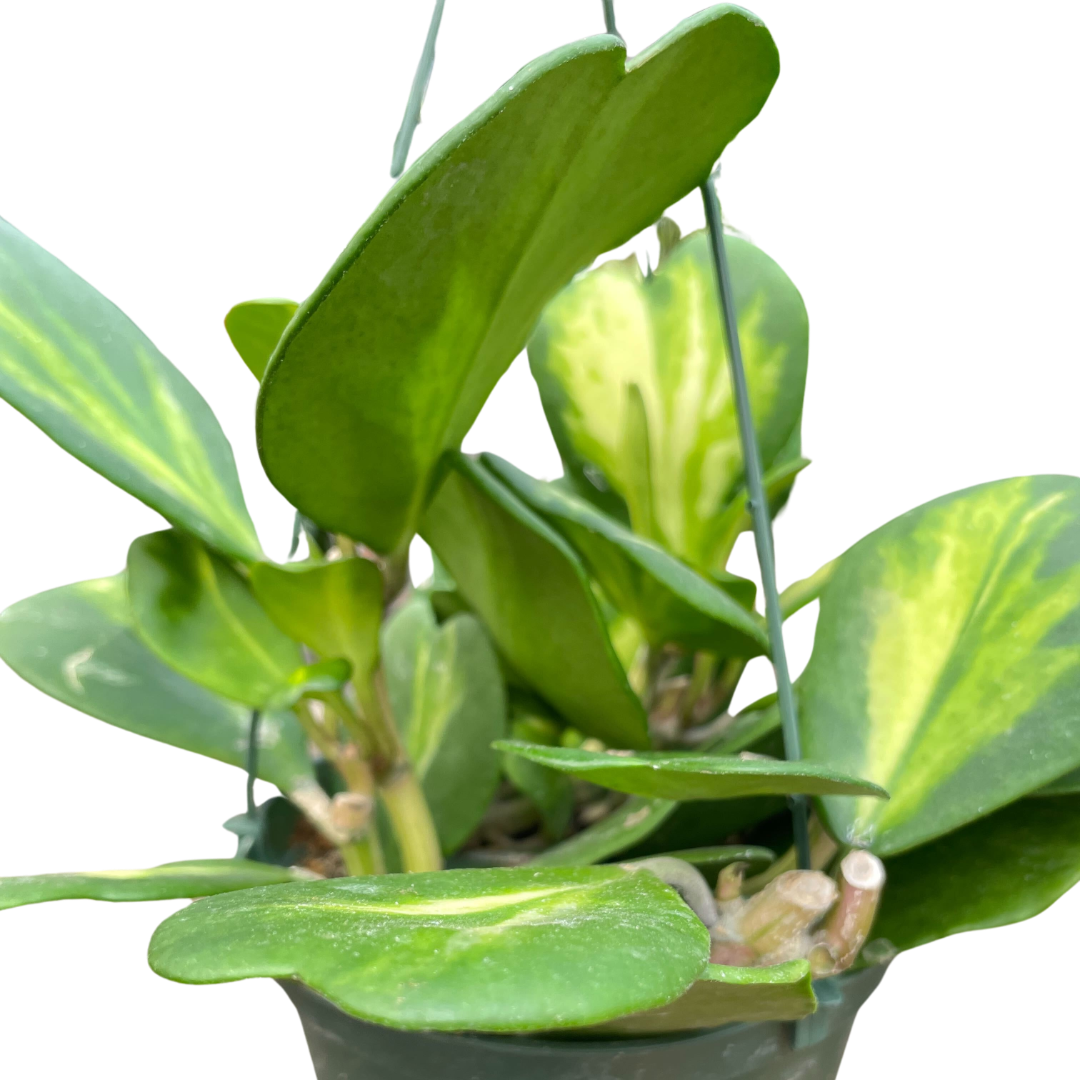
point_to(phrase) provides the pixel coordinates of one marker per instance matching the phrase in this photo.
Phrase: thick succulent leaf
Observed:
(671, 602)
(198, 614)
(946, 665)
(483, 950)
(332, 607)
(255, 327)
(727, 995)
(80, 369)
(684, 776)
(391, 358)
(1001, 869)
(641, 827)
(633, 373)
(78, 645)
(624, 827)
(173, 881)
(449, 703)
(533, 594)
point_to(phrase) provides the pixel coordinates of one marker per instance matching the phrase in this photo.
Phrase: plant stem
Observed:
(252, 761)
(805, 591)
(411, 820)
(365, 856)
(400, 788)
(759, 510)
(416, 94)
(362, 855)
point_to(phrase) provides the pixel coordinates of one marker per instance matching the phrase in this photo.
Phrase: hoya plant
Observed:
(514, 797)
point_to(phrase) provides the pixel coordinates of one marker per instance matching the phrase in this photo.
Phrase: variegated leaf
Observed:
(173, 881)
(80, 369)
(77, 644)
(483, 950)
(633, 373)
(946, 665)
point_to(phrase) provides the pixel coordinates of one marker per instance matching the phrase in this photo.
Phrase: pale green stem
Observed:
(800, 593)
(411, 821)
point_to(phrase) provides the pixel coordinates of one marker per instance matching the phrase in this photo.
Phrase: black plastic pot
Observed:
(344, 1048)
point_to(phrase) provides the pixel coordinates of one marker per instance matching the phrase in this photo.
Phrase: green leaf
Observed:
(172, 881)
(708, 822)
(728, 995)
(391, 358)
(1000, 869)
(671, 602)
(946, 665)
(805, 591)
(1069, 784)
(633, 374)
(624, 827)
(77, 644)
(79, 368)
(482, 950)
(333, 607)
(448, 700)
(551, 792)
(255, 327)
(683, 776)
(642, 827)
(198, 614)
(532, 592)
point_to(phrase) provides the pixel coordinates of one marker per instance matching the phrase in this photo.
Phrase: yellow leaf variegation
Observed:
(633, 372)
(80, 369)
(946, 665)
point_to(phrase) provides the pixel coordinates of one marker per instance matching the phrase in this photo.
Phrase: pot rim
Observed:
(829, 990)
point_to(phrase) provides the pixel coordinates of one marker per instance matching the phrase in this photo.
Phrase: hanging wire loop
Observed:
(609, 17)
(758, 506)
(416, 95)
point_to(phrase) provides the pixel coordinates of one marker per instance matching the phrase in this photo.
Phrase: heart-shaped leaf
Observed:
(1000, 869)
(532, 592)
(684, 776)
(391, 358)
(80, 369)
(255, 327)
(633, 374)
(173, 881)
(482, 950)
(670, 601)
(946, 665)
(77, 644)
(728, 995)
(198, 614)
(333, 607)
(448, 700)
